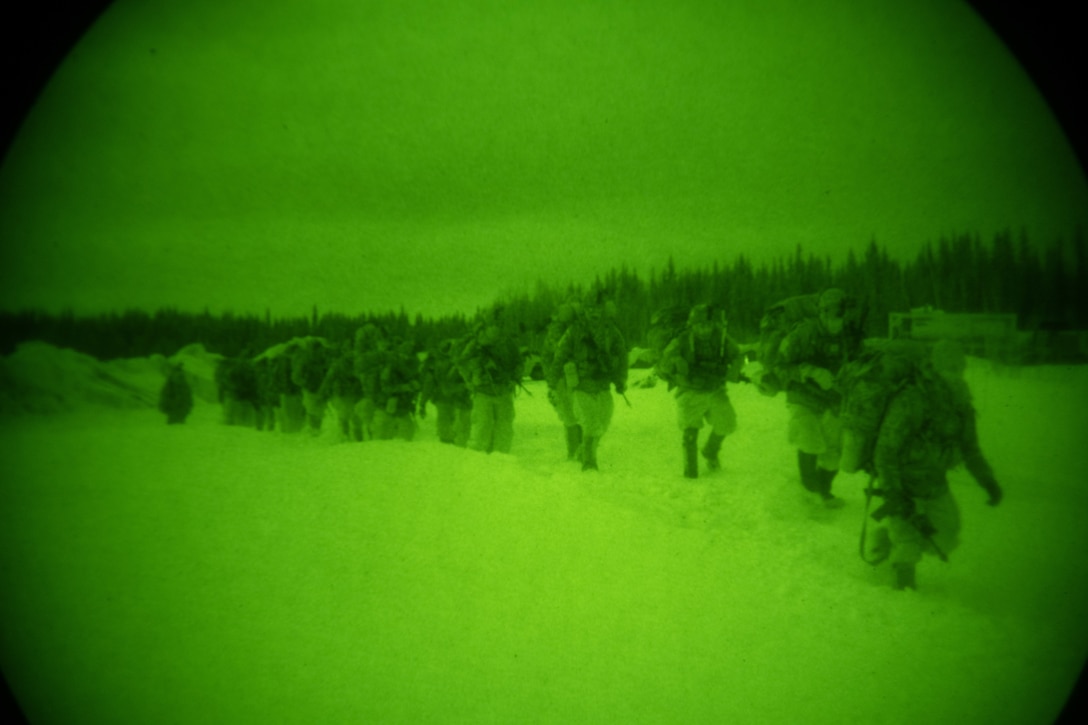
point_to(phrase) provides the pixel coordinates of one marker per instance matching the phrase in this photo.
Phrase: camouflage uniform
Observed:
(267, 397)
(309, 366)
(176, 396)
(559, 395)
(290, 414)
(810, 356)
(698, 362)
(237, 380)
(343, 390)
(928, 428)
(491, 365)
(395, 397)
(593, 356)
(443, 385)
(371, 353)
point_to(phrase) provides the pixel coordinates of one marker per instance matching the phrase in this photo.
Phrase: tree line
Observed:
(1047, 287)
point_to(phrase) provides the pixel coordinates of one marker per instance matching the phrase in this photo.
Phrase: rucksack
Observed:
(778, 321)
(868, 384)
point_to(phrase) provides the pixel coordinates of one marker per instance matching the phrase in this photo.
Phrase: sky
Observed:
(366, 156)
(216, 574)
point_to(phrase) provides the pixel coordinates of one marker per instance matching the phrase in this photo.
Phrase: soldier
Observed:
(176, 396)
(343, 390)
(395, 397)
(371, 353)
(237, 381)
(810, 357)
(698, 362)
(559, 395)
(593, 357)
(268, 398)
(309, 365)
(927, 429)
(443, 385)
(491, 365)
(290, 414)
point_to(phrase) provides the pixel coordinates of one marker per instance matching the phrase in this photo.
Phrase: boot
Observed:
(574, 441)
(691, 459)
(710, 451)
(589, 453)
(807, 463)
(904, 576)
(823, 479)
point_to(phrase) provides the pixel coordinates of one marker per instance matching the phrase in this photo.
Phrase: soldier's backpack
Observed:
(778, 321)
(868, 384)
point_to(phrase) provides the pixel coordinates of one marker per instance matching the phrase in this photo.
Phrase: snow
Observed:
(155, 573)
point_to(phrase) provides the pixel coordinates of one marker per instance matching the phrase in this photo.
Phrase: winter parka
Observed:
(598, 354)
(811, 345)
(928, 429)
(704, 365)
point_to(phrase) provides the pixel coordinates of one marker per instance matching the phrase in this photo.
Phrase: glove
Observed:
(996, 494)
(895, 504)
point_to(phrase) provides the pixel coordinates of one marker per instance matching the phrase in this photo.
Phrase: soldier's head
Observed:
(832, 308)
(703, 320)
(488, 333)
(593, 306)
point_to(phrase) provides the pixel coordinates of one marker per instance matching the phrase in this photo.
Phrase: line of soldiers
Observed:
(378, 386)
(927, 428)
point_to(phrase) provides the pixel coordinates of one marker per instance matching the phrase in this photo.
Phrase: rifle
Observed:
(919, 521)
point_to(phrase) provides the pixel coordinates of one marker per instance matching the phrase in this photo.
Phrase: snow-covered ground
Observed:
(204, 573)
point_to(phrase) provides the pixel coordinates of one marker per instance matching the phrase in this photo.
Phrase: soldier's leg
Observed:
(462, 426)
(907, 545)
(445, 416)
(828, 461)
(504, 423)
(690, 445)
(383, 426)
(691, 408)
(943, 513)
(483, 422)
(723, 421)
(404, 427)
(596, 417)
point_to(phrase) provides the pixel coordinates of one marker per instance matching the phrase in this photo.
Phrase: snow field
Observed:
(219, 574)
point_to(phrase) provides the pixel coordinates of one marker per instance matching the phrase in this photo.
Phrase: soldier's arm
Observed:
(672, 363)
(975, 461)
(796, 349)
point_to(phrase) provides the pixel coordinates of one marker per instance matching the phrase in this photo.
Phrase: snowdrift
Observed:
(40, 378)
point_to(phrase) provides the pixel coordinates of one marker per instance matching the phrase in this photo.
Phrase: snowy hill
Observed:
(220, 574)
(39, 378)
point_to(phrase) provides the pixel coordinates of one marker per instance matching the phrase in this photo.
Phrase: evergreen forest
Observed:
(1046, 287)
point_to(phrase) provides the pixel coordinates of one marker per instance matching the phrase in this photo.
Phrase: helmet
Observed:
(564, 313)
(699, 314)
(832, 302)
